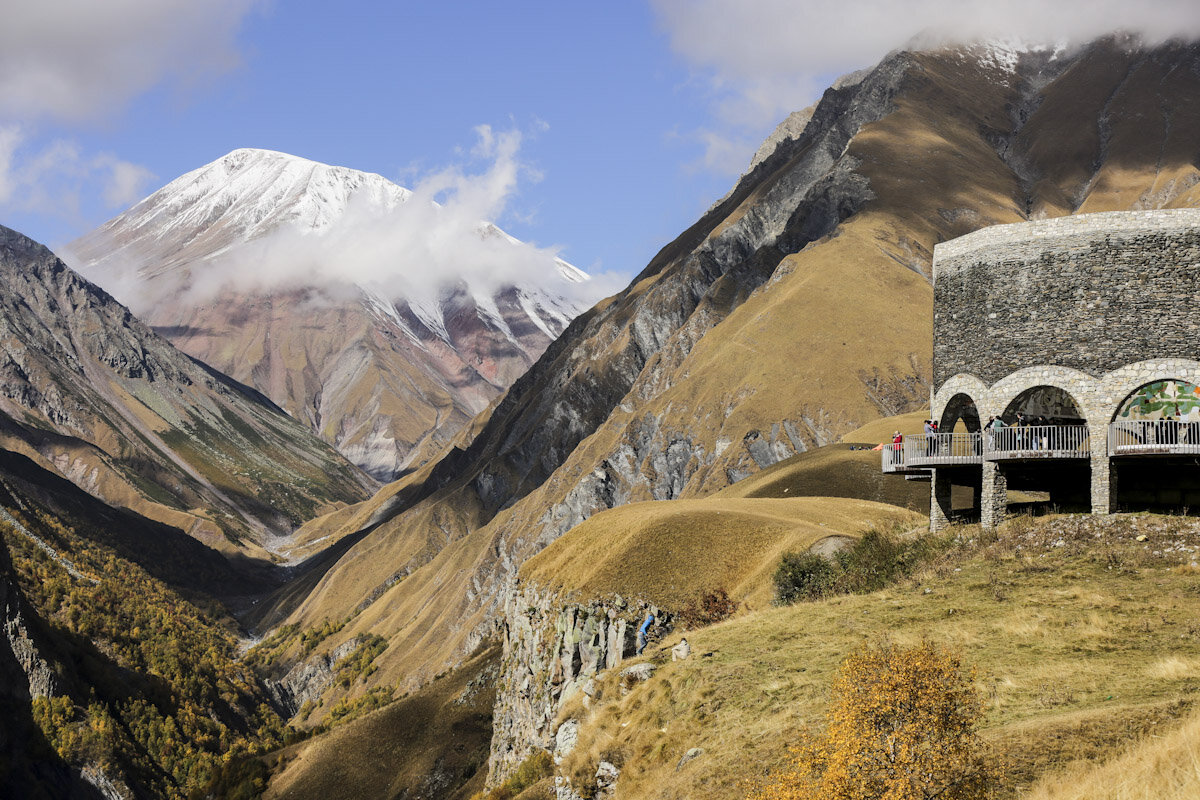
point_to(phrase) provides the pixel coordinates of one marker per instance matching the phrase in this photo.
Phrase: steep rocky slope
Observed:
(90, 392)
(235, 263)
(127, 679)
(31, 768)
(795, 310)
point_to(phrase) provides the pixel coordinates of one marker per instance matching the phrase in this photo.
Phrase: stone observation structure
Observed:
(1082, 334)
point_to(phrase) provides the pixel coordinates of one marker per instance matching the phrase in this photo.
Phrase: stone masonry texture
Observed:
(1092, 292)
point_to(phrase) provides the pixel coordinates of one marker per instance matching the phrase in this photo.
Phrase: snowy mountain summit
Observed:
(382, 319)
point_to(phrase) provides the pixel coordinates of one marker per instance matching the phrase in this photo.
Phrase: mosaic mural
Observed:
(1163, 399)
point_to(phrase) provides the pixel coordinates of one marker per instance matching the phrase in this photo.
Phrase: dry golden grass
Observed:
(669, 551)
(1165, 766)
(836, 470)
(436, 737)
(882, 430)
(1081, 648)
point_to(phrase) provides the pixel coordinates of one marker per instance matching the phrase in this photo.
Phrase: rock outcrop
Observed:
(553, 649)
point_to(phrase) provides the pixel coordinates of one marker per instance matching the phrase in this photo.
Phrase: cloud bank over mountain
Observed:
(261, 222)
(766, 58)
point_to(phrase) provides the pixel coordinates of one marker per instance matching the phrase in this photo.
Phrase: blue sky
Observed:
(633, 116)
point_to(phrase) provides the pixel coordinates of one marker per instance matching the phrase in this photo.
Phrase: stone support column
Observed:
(1104, 474)
(939, 500)
(994, 495)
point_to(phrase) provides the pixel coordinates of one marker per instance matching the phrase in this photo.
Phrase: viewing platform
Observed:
(920, 452)
(1038, 442)
(1153, 437)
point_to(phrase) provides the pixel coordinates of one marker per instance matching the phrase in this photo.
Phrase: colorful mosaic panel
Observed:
(1163, 399)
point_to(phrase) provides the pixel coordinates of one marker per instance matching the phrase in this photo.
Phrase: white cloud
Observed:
(49, 178)
(767, 58)
(436, 237)
(82, 59)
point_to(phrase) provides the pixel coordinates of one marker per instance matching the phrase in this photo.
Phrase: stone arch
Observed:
(1053, 403)
(1120, 384)
(963, 383)
(960, 407)
(1164, 397)
(1082, 388)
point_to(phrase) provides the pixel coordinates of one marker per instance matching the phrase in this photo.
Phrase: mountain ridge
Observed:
(795, 310)
(87, 390)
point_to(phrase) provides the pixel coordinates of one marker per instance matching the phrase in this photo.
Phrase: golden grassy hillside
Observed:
(836, 470)
(669, 551)
(1084, 639)
(435, 740)
(1165, 766)
(881, 430)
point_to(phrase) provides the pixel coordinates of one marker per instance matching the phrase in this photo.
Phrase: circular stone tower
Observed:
(1083, 332)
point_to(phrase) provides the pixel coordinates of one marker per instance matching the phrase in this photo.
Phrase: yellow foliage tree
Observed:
(901, 726)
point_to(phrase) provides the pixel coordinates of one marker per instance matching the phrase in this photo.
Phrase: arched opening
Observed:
(1154, 445)
(960, 415)
(1049, 423)
(1165, 399)
(1043, 405)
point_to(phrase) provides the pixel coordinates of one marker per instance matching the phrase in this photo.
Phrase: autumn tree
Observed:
(901, 726)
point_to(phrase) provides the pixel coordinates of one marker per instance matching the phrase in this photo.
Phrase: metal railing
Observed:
(1036, 442)
(893, 458)
(1153, 437)
(1125, 438)
(942, 449)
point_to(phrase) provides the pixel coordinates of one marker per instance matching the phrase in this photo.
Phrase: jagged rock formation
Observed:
(552, 649)
(796, 308)
(386, 375)
(88, 391)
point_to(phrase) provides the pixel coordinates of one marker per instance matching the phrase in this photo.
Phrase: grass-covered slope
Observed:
(836, 470)
(669, 552)
(432, 744)
(1083, 636)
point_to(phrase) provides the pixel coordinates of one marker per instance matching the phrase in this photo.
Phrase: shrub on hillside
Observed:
(901, 726)
(876, 560)
(804, 576)
(707, 608)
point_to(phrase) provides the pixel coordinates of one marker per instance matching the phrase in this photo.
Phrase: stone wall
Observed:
(1091, 292)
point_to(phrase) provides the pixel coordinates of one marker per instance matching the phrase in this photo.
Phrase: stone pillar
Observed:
(994, 496)
(1104, 474)
(939, 500)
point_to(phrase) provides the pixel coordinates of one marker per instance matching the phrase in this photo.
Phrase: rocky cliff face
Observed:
(90, 392)
(388, 369)
(795, 309)
(552, 650)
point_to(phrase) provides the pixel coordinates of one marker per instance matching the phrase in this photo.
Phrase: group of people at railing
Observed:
(1037, 434)
(1167, 432)
(1032, 433)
